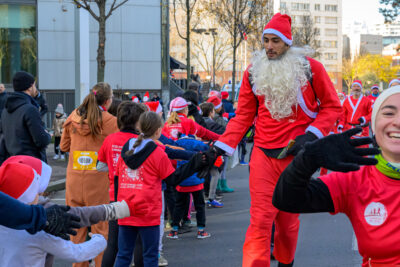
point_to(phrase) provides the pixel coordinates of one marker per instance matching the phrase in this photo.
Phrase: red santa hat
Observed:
(154, 106)
(41, 168)
(215, 101)
(375, 86)
(214, 93)
(224, 95)
(281, 26)
(340, 93)
(21, 182)
(146, 97)
(177, 104)
(135, 99)
(358, 82)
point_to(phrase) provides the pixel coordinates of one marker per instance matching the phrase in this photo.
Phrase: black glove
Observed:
(60, 223)
(211, 156)
(300, 141)
(338, 152)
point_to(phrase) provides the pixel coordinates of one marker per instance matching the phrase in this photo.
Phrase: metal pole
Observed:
(213, 35)
(165, 85)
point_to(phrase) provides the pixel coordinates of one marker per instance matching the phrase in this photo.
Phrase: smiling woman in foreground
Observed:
(369, 196)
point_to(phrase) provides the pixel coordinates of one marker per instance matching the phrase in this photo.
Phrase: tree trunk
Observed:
(101, 62)
(188, 43)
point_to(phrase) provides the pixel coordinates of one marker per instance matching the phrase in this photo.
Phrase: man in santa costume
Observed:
(374, 93)
(357, 110)
(292, 98)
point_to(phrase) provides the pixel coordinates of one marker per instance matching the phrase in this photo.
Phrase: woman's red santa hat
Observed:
(177, 104)
(358, 82)
(154, 106)
(21, 182)
(224, 95)
(281, 26)
(214, 93)
(41, 168)
(215, 101)
(135, 99)
(146, 97)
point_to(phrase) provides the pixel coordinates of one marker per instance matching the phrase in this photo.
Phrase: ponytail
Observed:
(149, 123)
(89, 109)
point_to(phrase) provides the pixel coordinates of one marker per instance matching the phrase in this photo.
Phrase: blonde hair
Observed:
(173, 118)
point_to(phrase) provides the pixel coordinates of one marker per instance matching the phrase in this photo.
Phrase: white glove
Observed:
(117, 210)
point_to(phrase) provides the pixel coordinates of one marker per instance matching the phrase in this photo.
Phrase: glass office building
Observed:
(18, 38)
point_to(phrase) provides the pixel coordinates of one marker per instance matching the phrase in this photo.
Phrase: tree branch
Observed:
(84, 4)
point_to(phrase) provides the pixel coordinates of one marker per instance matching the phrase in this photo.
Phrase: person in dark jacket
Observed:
(228, 106)
(21, 125)
(192, 97)
(208, 112)
(43, 108)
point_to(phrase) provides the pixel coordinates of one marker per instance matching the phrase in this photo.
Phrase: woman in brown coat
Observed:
(84, 132)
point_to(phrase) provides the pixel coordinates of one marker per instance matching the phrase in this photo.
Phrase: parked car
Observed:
(228, 88)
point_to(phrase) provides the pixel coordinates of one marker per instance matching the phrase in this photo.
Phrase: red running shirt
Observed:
(110, 152)
(371, 201)
(144, 184)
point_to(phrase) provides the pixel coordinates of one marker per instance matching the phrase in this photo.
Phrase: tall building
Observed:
(327, 18)
(371, 44)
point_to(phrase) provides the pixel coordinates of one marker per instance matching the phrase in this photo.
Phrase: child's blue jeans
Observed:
(126, 243)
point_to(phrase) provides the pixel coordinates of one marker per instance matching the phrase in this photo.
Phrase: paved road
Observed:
(324, 240)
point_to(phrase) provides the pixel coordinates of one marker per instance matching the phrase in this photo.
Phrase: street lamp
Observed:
(213, 32)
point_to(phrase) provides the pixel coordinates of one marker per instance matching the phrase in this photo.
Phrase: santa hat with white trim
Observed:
(375, 86)
(135, 99)
(215, 101)
(154, 106)
(177, 104)
(214, 93)
(281, 26)
(358, 82)
(41, 168)
(379, 101)
(394, 81)
(146, 96)
(21, 182)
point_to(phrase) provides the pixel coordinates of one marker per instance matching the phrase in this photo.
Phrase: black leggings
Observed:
(57, 140)
(182, 203)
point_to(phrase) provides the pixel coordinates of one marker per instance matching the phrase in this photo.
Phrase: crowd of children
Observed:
(127, 170)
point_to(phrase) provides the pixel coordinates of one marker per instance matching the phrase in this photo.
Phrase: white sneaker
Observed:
(56, 156)
(62, 157)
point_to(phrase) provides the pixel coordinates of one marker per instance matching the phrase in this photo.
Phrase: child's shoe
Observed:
(214, 204)
(201, 234)
(244, 163)
(62, 157)
(56, 156)
(173, 234)
(162, 261)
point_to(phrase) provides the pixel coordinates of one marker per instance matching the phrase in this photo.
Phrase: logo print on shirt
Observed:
(134, 175)
(375, 214)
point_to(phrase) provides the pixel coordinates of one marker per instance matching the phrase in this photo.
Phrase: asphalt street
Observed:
(324, 240)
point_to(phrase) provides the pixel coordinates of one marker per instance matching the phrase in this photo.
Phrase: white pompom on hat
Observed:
(379, 101)
(177, 104)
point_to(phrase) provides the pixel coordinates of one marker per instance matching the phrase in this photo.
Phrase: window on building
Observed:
(331, 20)
(18, 43)
(317, 31)
(330, 32)
(283, 6)
(331, 8)
(330, 44)
(317, 7)
(317, 19)
(300, 6)
(330, 56)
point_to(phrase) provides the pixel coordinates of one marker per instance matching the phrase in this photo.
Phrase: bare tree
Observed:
(101, 18)
(232, 14)
(188, 7)
(261, 18)
(306, 34)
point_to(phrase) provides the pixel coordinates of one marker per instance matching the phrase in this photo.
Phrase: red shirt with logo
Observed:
(371, 201)
(144, 184)
(110, 152)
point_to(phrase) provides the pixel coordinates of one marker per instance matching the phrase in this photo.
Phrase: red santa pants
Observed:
(264, 174)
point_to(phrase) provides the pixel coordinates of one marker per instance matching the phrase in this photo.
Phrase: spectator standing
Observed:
(84, 133)
(43, 108)
(58, 123)
(228, 106)
(22, 127)
(3, 97)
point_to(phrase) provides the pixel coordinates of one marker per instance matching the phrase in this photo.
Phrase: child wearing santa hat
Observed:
(24, 178)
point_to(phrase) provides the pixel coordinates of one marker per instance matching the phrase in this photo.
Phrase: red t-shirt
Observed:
(110, 152)
(371, 201)
(144, 184)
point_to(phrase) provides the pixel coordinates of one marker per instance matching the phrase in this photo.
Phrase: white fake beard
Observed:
(279, 80)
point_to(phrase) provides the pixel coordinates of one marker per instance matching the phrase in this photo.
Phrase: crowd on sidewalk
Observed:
(131, 175)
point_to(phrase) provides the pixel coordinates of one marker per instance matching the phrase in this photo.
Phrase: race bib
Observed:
(85, 160)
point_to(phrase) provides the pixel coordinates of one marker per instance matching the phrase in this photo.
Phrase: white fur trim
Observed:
(30, 193)
(315, 131)
(303, 106)
(393, 81)
(44, 177)
(279, 34)
(218, 106)
(379, 101)
(229, 150)
(357, 84)
(159, 108)
(131, 143)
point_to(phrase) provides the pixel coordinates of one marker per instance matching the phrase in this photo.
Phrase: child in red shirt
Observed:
(127, 116)
(140, 170)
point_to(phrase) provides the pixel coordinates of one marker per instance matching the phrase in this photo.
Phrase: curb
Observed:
(56, 186)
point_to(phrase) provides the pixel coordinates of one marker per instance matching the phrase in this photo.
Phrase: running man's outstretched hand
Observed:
(339, 152)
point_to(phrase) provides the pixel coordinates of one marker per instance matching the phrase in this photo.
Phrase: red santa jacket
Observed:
(372, 98)
(353, 110)
(186, 127)
(318, 109)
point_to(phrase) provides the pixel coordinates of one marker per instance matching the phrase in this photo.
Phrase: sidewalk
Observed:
(59, 169)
